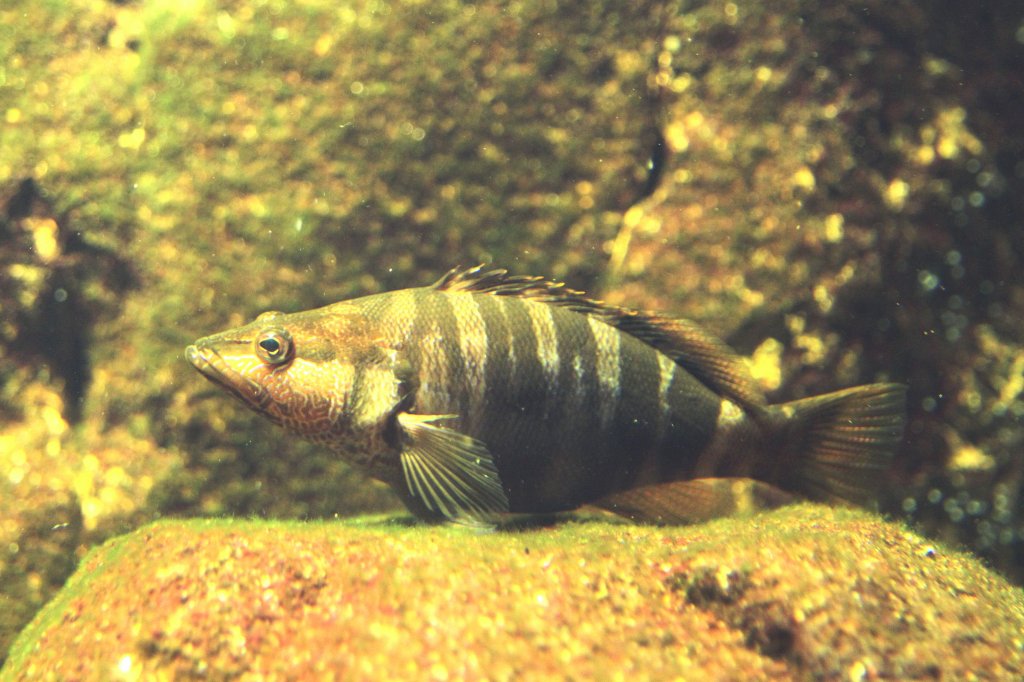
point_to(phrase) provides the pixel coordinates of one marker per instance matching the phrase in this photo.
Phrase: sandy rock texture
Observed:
(805, 592)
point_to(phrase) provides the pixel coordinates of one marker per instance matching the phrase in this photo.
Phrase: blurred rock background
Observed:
(835, 189)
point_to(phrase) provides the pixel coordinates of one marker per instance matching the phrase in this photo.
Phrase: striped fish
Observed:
(489, 393)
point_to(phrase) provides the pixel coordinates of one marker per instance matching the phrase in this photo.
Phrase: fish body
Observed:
(488, 393)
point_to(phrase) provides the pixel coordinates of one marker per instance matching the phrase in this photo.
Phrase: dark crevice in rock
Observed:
(767, 626)
(56, 285)
(655, 166)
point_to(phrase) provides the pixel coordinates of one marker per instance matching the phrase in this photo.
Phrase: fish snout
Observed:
(209, 361)
(204, 359)
(194, 356)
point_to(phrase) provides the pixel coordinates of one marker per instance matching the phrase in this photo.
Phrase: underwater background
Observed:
(835, 189)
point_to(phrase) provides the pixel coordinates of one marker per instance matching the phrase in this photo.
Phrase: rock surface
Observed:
(803, 592)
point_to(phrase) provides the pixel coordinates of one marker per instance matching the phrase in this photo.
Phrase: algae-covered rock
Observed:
(38, 551)
(803, 592)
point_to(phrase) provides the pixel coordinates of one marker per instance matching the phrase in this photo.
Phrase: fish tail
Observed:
(839, 444)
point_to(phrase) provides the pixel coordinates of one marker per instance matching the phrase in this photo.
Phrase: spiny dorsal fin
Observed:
(693, 348)
(500, 283)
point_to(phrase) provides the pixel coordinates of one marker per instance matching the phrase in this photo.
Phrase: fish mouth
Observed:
(211, 364)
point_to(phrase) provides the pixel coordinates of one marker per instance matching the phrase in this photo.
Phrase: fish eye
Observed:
(274, 346)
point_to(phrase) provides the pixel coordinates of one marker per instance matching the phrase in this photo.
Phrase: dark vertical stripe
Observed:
(639, 413)
(453, 376)
(514, 375)
(693, 416)
(498, 370)
(530, 389)
(514, 424)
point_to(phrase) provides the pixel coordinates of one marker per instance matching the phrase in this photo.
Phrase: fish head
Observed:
(302, 371)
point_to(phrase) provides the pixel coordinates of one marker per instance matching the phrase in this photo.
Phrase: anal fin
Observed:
(701, 499)
(449, 472)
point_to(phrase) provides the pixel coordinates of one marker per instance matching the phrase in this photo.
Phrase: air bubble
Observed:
(953, 510)
(928, 280)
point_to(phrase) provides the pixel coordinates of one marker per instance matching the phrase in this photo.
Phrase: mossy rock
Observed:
(802, 592)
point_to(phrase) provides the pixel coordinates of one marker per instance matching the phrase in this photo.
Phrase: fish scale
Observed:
(489, 393)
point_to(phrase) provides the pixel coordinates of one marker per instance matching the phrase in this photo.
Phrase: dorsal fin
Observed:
(500, 283)
(690, 346)
(698, 351)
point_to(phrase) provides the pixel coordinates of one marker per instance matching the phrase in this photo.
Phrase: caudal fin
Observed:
(839, 444)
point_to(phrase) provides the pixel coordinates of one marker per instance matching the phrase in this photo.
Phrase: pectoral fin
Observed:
(692, 501)
(449, 472)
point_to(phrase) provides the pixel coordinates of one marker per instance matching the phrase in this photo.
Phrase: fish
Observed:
(489, 394)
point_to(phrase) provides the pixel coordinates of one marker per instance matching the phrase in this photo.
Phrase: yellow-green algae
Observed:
(802, 592)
